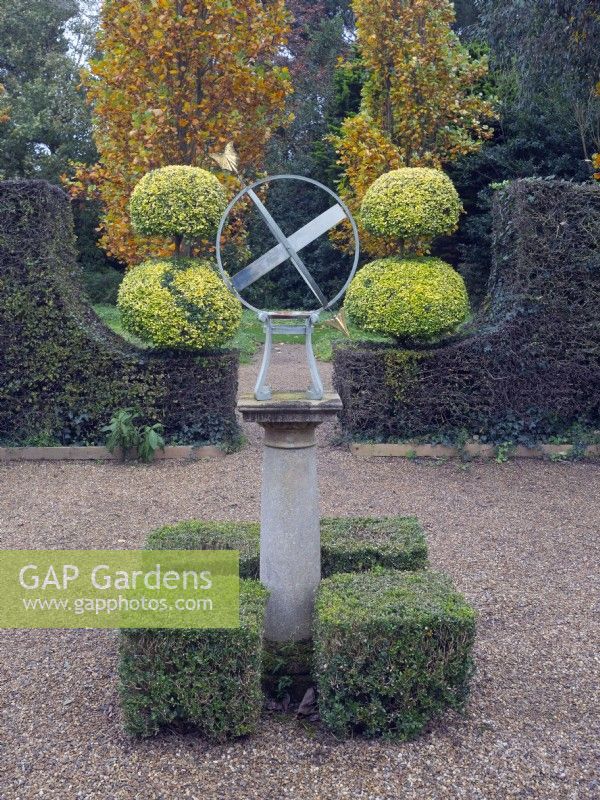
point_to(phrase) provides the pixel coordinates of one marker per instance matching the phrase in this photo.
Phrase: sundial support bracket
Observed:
(262, 390)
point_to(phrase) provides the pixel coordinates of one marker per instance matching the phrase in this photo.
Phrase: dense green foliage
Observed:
(183, 306)
(318, 38)
(101, 275)
(62, 372)
(467, 14)
(529, 369)
(392, 651)
(177, 201)
(411, 204)
(547, 56)
(545, 63)
(348, 544)
(209, 680)
(44, 121)
(357, 544)
(410, 299)
(523, 146)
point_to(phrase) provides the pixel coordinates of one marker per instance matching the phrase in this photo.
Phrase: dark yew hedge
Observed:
(530, 367)
(63, 373)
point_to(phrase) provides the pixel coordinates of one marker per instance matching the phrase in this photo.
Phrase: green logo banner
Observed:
(119, 589)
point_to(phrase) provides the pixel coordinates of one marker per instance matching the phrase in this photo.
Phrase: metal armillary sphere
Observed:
(287, 247)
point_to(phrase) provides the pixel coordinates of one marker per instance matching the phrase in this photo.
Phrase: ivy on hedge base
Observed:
(392, 651)
(173, 306)
(412, 203)
(411, 299)
(177, 201)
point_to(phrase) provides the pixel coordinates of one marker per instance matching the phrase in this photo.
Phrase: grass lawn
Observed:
(250, 335)
(111, 316)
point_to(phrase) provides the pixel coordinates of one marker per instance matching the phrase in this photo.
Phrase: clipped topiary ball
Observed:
(413, 299)
(186, 307)
(178, 201)
(411, 203)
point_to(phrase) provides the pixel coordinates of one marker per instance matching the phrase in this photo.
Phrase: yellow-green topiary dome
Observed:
(411, 299)
(183, 307)
(411, 203)
(177, 201)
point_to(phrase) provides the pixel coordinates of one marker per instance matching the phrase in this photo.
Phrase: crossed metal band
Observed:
(288, 247)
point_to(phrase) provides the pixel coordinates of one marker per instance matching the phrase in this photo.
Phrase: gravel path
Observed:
(520, 540)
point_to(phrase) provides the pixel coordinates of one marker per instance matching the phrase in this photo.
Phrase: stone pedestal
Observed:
(290, 548)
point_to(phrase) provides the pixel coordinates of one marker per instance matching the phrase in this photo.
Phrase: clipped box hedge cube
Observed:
(206, 679)
(200, 535)
(356, 544)
(348, 544)
(392, 651)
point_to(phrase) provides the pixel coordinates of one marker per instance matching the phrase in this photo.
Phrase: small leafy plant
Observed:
(503, 452)
(126, 436)
(558, 457)
(122, 433)
(150, 440)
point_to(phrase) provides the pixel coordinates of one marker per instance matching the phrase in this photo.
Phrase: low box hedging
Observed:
(348, 544)
(356, 544)
(392, 651)
(206, 679)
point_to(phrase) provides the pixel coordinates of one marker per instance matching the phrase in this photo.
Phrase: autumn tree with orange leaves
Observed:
(175, 81)
(421, 103)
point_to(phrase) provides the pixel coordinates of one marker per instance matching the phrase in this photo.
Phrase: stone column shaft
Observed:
(290, 549)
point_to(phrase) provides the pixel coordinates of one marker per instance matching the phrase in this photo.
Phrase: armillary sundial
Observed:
(288, 247)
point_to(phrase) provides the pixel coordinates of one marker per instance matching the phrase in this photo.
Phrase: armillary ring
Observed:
(288, 247)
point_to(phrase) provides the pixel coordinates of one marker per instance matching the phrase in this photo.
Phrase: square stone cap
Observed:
(289, 407)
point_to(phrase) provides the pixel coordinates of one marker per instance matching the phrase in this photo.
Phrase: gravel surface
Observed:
(520, 540)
